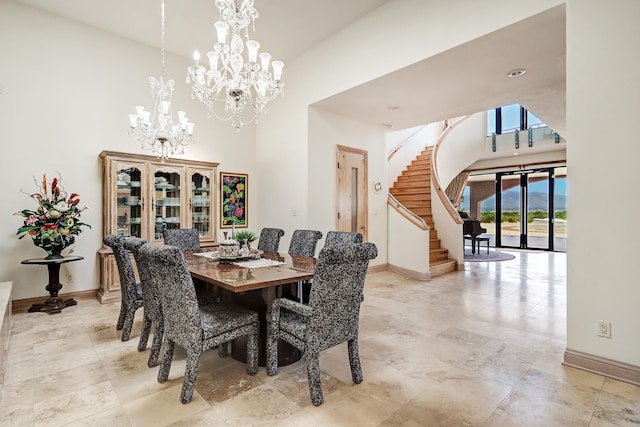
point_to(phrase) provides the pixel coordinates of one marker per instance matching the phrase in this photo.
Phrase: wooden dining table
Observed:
(255, 288)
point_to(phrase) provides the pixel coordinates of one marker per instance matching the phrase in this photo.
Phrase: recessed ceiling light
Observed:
(516, 73)
(515, 154)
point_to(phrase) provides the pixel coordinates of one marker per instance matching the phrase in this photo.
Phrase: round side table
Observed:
(54, 304)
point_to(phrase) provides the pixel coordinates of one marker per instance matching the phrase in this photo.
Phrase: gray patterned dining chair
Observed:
(269, 240)
(152, 308)
(341, 237)
(130, 290)
(194, 328)
(330, 318)
(187, 239)
(304, 243)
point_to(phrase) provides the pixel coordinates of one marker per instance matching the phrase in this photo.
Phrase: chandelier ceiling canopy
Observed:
(161, 136)
(233, 81)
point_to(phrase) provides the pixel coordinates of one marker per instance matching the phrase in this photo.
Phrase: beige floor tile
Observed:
(617, 410)
(227, 381)
(480, 347)
(76, 405)
(72, 379)
(163, 407)
(109, 418)
(534, 411)
(204, 418)
(295, 384)
(260, 406)
(349, 406)
(457, 398)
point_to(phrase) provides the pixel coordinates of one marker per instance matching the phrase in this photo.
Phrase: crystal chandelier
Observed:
(163, 137)
(231, 80)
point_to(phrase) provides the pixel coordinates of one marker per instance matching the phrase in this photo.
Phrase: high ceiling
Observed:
(466, 79)
(470, 78)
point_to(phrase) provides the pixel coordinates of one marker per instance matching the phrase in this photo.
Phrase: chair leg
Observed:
(354, 361)
(252, 351)
(313, 375)
(156, 344)
(272, 351)
(144, 335)
(223, 349)
(128, 324)
(123, 314)
(165, 365)
(190, 375)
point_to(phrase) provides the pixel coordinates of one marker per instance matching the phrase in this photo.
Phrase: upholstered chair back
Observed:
(304, 242)
(177, 295)
(270, 239)
(186, 239)
(337, 292)
(149, 292)
(342, 237)
(125, 267)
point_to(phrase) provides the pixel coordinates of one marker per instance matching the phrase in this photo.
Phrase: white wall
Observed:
(66, 92)
(603, 94)
(326, 132)
(458, 149)
(408, 244)
(409, 144)
(461, 147)
(351, 57)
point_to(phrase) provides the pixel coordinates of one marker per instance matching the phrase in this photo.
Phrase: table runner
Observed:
(257, 263)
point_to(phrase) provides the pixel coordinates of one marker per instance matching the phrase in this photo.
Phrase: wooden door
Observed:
(351, 191)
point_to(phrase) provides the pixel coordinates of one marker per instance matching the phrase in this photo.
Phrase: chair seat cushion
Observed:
(293, 323)
(219, 318)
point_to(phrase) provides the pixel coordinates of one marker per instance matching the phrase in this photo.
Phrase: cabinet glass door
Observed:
(129, 209)
(167, 202)
(201, 203)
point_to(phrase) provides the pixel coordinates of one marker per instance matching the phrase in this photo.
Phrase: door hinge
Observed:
(338, 215)
(338, 165)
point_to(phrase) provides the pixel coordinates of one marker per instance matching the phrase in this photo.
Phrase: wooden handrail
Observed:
(402, 210)
(399, 146)
(434, 171)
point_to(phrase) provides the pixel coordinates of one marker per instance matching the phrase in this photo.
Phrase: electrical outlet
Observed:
(604, 329)
(69, 276)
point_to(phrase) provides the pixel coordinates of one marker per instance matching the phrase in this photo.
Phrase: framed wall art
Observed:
(233, 199)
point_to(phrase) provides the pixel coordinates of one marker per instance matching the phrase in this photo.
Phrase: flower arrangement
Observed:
(55, 222)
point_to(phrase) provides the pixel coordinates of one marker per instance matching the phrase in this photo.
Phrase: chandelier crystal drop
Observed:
(156, 129)
(232, 81)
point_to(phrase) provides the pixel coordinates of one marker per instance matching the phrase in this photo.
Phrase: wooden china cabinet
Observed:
(142, 196)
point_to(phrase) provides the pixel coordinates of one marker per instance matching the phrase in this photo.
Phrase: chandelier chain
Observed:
(156, 130)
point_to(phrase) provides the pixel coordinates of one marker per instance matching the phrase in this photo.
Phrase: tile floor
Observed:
(481, 347)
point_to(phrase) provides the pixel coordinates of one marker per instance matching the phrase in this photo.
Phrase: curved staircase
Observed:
(413, 190)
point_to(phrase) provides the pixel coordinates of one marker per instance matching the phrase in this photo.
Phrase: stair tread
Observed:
(441, 262)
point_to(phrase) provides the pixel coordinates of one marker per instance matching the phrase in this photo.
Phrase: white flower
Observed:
(53, 214)
(61, 206)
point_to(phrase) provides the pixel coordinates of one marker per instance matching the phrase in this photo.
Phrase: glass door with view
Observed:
(560, 209)
(201, 217)
(166, 202)
(129, 202)
(525, 203)
(539, 204)
(509, 223)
